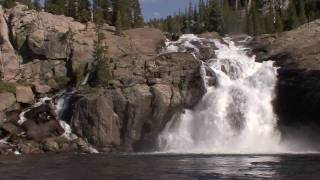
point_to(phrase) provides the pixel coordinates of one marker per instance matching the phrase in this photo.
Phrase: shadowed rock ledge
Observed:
(297, 53)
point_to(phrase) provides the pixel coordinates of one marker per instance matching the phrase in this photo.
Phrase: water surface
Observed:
(159, 166)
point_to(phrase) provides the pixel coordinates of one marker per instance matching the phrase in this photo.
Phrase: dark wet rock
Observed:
(12, 129)
(40, 131)
(95, 120)
(297, 54)
(51, 145)
(30, 147)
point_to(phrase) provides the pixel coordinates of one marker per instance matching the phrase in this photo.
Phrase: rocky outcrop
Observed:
(297, 53)
(24, 94)
(9, 60)
(144, 90)
(7, 100)
(95, 120)
(130, 116)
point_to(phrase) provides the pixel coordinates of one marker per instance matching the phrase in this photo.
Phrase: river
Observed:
(159, 166)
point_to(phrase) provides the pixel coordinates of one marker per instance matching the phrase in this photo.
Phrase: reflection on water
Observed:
(160, 166)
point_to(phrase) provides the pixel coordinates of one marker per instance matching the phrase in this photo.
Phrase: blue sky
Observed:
(162, 8)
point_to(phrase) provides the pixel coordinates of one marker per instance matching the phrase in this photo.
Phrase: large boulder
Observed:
(7, 100)
(24, 94)
(94, 119)
(146, 40)
(40, 131)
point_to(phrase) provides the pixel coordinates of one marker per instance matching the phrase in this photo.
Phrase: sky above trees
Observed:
(162, 8)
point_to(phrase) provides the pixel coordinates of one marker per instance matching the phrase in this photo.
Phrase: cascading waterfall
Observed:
(234, 116)
(58, 103)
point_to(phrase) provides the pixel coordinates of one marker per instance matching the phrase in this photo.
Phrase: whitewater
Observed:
(234, 116)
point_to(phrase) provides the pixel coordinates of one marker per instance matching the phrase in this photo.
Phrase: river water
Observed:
(159, 166)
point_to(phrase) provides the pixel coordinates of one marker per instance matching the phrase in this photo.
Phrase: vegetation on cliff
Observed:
(240, 16)
(124, 14)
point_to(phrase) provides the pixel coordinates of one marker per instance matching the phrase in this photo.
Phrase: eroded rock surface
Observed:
(49, 52)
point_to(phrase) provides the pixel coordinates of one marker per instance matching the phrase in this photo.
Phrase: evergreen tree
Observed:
(202, 15)
(185, 24)
(230, 19)
(190, 16)
(215, 17)
(278, 23)
(8, 3)
(137, 15)
(122, 16)
(269, 20)
(55, 6)
(84, 11)
(102, 70)
(292, 20)
(36, 5)
(101, 10)
(253, 20)
(71, 8)
(301, 11)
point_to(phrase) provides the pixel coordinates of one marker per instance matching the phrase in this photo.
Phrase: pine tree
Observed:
(36, 5)
(229, 17)
(137, 15)
(202, 15)
(215, 22)
(190, 16)
(292, 20)
(122, 16)
(84, 9)
(8, 3)
(101, 10)
(102, 69)
(301, 11)
(269, 20)
(55, 6)
(254, 20)
(278, 23)
(185, 24)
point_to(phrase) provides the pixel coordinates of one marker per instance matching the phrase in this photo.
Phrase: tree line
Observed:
(239, 16)
(124, 14)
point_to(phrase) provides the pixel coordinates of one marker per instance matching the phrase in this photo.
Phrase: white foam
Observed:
(67, 131)
(235, 116)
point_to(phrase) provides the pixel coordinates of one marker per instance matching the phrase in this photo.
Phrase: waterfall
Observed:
(234, 116)
(57, 103)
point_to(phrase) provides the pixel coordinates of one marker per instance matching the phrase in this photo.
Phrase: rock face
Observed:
(297, 52)
(144, 90)
(147, 96)
(95, 120)
(7, 100)
(9, 60)
(24, 94)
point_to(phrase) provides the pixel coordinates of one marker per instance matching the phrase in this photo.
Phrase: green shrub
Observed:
(62, 80)
(7, 87)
